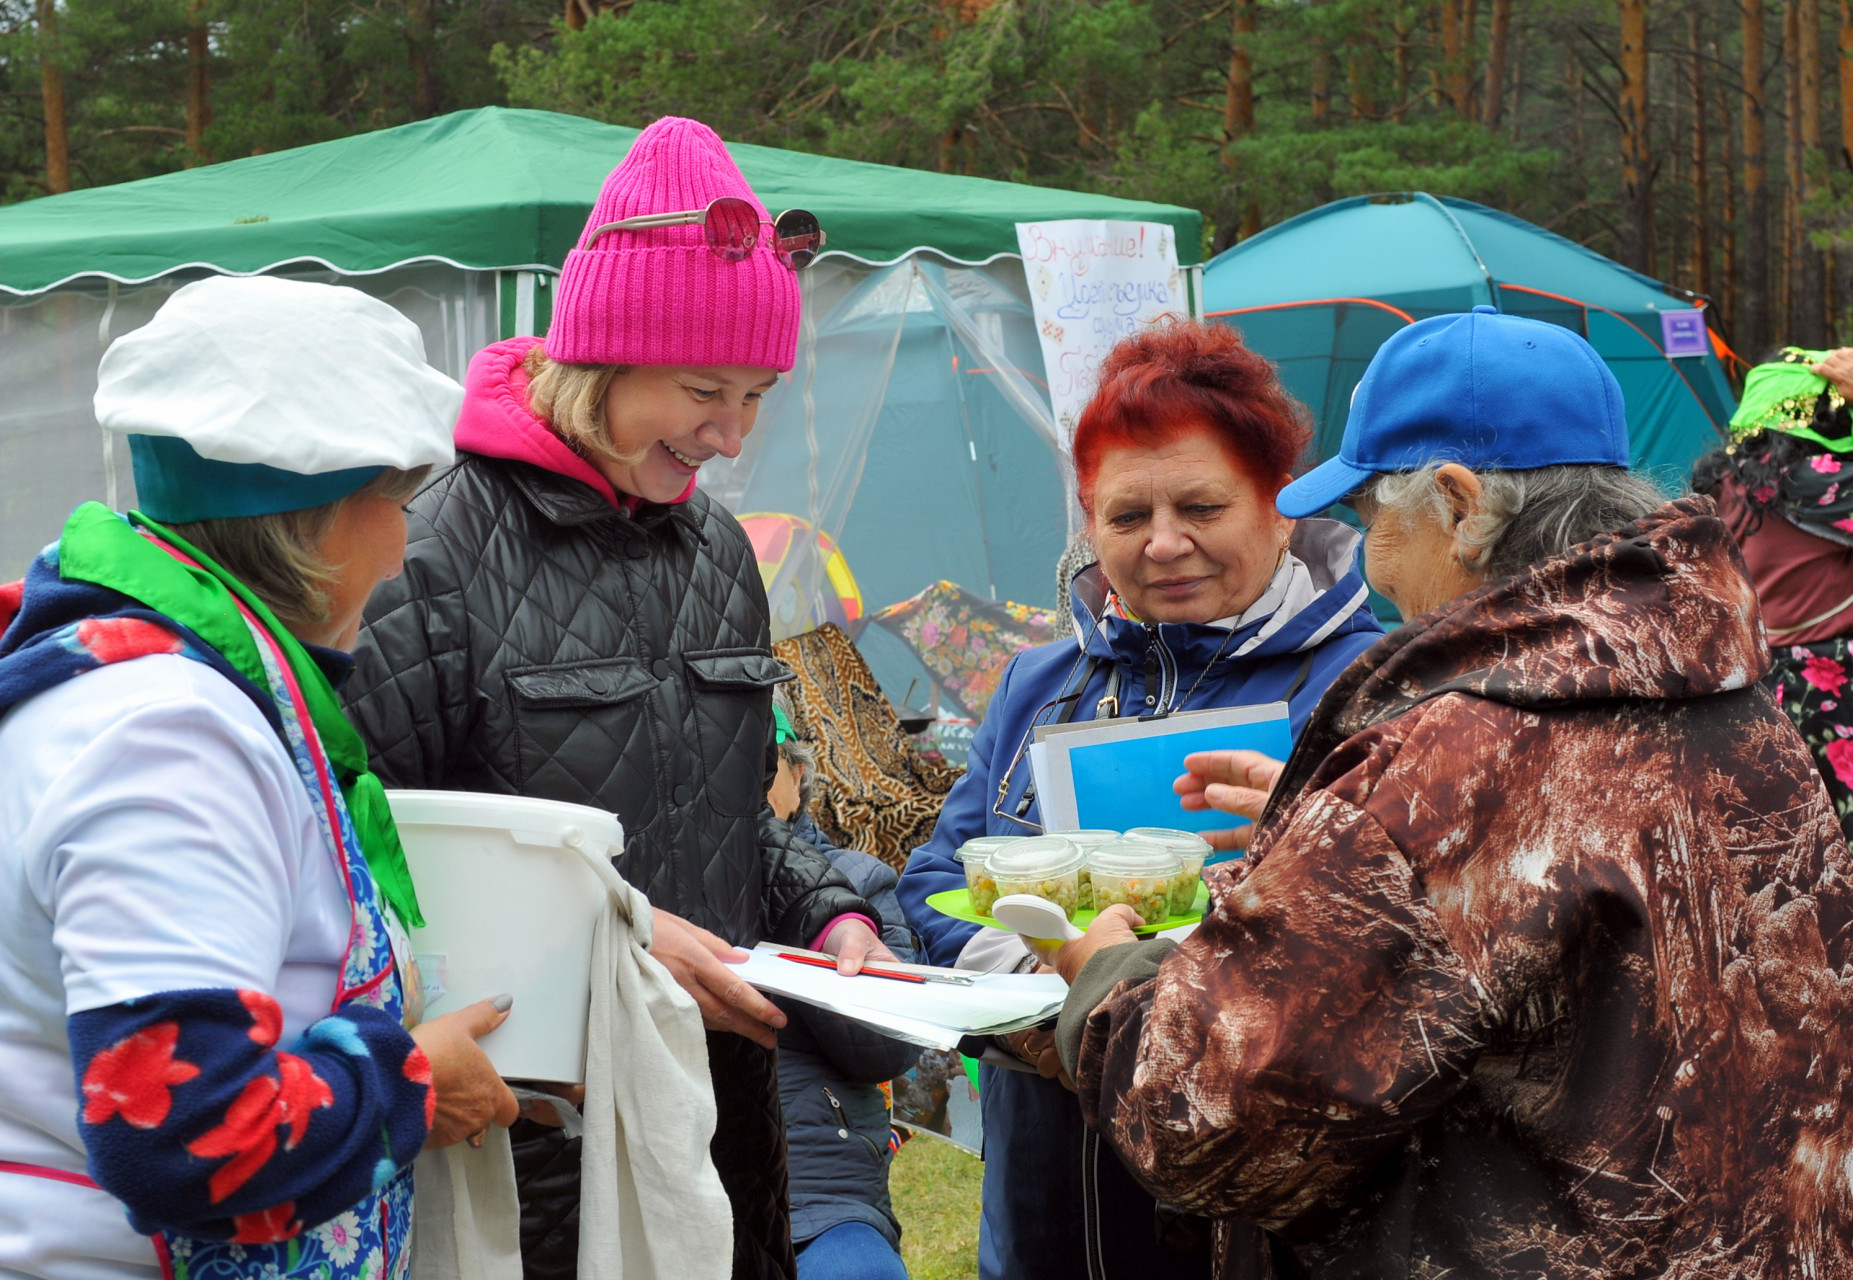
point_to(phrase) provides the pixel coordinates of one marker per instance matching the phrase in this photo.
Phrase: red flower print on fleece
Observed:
(269, 1226)
(1840, 757)
(119, 639)
(417, 1069)
(12, 595)
(132, 1078)
(266, 1017)
(249, 1132)
(1825, 674)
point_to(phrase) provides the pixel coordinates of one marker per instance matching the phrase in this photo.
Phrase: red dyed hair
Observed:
(1184, 377)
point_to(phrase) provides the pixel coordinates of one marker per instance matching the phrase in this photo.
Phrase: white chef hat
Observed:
(246, 396)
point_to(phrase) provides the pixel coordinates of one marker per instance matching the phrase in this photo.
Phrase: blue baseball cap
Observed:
(1491, 392)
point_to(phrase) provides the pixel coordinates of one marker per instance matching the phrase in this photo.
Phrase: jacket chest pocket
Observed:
(577, 726)
(732, 695)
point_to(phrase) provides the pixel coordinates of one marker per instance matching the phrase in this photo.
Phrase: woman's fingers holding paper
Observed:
(727, 1001)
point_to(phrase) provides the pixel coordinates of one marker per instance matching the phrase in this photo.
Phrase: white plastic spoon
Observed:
(1034, 917)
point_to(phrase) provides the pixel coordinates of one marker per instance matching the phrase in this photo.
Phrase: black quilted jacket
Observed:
(542, 643)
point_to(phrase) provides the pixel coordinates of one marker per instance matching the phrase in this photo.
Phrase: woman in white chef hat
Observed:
(200, 883)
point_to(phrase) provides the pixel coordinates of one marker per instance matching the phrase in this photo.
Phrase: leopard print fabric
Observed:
(883, 797)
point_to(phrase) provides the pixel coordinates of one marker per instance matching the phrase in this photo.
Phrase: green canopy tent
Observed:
(917, 414)
(1320, 293)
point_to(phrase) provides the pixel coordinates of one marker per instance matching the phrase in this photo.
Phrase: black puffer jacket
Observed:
(541, 642)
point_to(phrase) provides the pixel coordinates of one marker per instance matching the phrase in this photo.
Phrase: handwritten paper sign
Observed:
(1092, 284)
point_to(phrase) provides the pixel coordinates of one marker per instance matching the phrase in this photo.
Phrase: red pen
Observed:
(821, 963)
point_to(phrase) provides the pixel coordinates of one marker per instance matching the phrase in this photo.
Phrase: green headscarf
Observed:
(100, 547)
(1784, 395)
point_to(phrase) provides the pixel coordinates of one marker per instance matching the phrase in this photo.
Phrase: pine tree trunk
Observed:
(1784, 305)
(1498, 44)
(1403, 27)
(1846, 81)
(1517, 112)
(1453, 55)
(51, 88)
(1701, 172)
(418, 36)
(1357, 79)
(1636, 173)
(199, 83)
(1322, 73)
(1727, 211)
(1470, 99)
(1809, 269)
(1754, 323)
(1238, 119)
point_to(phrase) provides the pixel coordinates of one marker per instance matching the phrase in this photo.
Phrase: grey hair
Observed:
(1525, 516)
(798, 753)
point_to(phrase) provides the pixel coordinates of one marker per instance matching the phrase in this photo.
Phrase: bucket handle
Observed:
(575, 839)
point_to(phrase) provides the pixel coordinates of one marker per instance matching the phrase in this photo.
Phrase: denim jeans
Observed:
(850, 1251)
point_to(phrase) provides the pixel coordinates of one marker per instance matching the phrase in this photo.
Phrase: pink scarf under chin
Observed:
(496, 422)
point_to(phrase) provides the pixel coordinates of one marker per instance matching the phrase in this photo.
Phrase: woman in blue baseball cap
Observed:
(1535, 966)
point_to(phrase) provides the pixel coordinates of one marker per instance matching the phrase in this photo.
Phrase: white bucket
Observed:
(510, 890)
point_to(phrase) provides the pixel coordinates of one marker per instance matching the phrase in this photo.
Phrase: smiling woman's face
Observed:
(677, 417)
(1184, 535)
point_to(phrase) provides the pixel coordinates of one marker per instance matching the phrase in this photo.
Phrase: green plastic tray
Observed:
(957, 903)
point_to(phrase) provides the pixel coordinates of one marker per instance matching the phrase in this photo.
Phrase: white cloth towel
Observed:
(651, 1203)
(466, 1219)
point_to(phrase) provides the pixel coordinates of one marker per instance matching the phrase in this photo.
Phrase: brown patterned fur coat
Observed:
(1542, 964)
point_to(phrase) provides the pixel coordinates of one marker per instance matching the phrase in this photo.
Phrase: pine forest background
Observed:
(1705, 142)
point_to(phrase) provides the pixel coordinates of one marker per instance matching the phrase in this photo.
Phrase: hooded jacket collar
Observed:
(1662, 608)
(1327, 551)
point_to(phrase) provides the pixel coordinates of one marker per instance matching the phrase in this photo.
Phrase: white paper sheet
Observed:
(937, 1015)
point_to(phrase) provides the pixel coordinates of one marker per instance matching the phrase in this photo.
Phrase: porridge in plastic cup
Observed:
(1086, 841)
(1191, 849)
(1046, 867)
(974, 853)
(1139, 873)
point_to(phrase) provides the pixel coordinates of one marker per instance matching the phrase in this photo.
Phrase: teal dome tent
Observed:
(1319, 294)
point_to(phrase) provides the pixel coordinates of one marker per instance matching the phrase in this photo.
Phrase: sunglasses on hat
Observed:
(731, 226)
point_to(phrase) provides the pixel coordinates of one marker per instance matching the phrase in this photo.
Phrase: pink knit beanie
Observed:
(660, 296)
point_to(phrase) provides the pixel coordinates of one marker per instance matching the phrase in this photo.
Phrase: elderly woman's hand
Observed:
(1235, 782)
(1110, 928)
(470, 1095)
(1837, 368)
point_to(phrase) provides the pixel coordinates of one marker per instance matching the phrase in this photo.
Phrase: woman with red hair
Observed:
(1202, 596)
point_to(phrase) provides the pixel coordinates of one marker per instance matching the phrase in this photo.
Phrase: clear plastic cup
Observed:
(978, 882)
(1139, 873)
(1046, 867)
(1191, 850)
(1086, 840)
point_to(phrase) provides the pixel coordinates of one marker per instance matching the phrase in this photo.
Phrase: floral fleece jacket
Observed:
(1542, 964)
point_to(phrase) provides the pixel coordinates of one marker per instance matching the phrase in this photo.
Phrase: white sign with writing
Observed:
(1090, 285)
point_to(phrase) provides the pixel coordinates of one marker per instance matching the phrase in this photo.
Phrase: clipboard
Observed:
(1117, 774)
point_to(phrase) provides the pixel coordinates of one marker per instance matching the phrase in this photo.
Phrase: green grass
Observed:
(935, 1190)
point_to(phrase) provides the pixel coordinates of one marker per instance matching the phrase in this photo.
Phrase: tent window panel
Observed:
(1532, 306)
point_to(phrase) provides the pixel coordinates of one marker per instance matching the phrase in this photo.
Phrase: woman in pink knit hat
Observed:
(577, 621)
